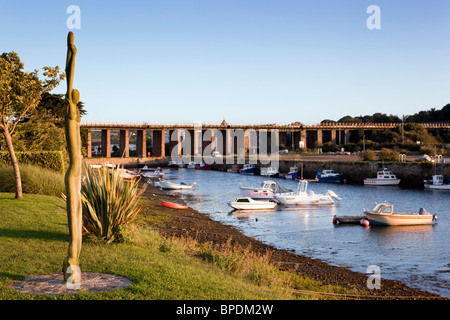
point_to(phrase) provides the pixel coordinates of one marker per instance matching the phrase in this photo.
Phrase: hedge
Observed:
(53, 160)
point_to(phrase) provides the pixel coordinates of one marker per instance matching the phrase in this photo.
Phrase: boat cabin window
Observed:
(387, 209)
(242, 200)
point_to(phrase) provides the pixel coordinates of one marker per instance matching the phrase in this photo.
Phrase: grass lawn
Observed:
(34, 239)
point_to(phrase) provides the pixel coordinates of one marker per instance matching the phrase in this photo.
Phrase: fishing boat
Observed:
(203, 166)
(173, 205)
(383, 214)
(326, 175)
(247, 203)
(384, 178)
(267, 190)
(269, 171)
(167, 185)
(302, 197)
(291, 175)
(151, 172)
(436, 183)
(247, 169)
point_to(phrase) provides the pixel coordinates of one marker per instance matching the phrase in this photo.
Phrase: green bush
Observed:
(368, 155)
(110, 203)
(388, 155)
(53, 160)
(34, 180)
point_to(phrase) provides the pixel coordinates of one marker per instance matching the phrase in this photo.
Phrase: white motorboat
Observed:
(384, 178)
(172, 164)
(269, 171)
(437, 183)
(124, 173)
(151, 172)
(302, 197)
(383, 214)
(191, 165)
(247, 203)
(267, 190)
(167, 185)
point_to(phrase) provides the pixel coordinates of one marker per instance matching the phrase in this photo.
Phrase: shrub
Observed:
(368, 155)
(34, 180)
(388, 155)
(110, 203)
(53, 160)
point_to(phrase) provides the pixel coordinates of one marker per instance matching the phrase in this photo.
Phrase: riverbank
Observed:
(191, 223)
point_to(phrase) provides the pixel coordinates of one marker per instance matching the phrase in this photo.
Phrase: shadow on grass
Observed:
(33, 234)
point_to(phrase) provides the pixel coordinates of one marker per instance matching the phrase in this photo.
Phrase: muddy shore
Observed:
(191, 223)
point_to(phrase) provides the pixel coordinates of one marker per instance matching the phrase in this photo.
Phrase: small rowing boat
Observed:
(173, 205)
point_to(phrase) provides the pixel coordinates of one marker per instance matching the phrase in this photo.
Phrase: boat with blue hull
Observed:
(248, 169)
(325, 175)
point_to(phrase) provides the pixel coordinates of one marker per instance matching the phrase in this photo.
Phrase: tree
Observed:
(20, 93)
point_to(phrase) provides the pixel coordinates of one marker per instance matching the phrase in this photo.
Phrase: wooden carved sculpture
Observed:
(71, 268)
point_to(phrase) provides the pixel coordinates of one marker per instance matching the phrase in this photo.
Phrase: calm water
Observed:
(416, 255)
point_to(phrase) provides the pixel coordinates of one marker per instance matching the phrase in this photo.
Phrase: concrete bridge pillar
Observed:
(319, 137)
(106, 143)
(333, 136)
(124, 143)
(89, 143)
(303, 139)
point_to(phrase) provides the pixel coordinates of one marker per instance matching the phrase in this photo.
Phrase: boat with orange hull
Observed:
(173, 205)
(383, 214)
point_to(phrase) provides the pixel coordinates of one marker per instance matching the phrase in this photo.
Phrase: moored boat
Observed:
(267, 190)
(203, 166)
(269, 171)
(302, 197)
(436, 183)
(151, 172)
(167, 185)
(383, 214)
(173, 205)
(247, 169)
(384, 178)
(291, 175)
(326, 175)
(247, 203)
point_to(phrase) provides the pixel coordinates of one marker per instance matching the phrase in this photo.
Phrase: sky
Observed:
(245, 61)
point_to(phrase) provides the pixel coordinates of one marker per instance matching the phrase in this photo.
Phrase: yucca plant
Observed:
(109, 201)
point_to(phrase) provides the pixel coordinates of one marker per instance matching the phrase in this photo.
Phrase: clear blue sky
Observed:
(245, 61)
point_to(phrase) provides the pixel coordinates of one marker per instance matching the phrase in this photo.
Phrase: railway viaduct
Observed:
(294, 135)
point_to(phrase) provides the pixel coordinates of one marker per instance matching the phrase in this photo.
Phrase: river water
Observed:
(415, 255)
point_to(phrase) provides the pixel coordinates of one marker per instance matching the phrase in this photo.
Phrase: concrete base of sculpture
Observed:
(54, 284)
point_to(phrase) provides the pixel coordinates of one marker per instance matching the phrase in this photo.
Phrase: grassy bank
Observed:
(34, 239)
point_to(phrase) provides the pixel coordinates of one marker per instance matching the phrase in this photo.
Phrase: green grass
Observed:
(35, 180)
(34, 238)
